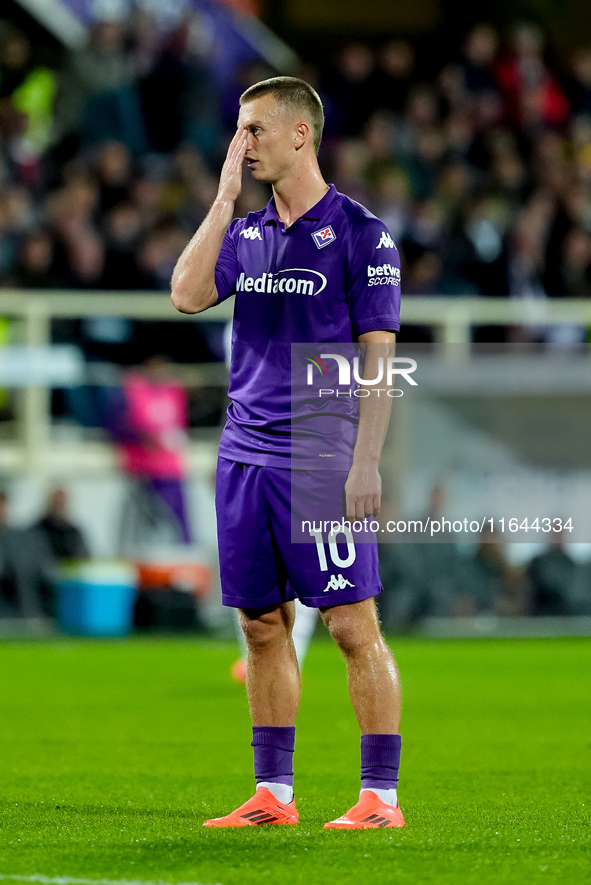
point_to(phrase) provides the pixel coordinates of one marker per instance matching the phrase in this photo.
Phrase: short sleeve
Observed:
(374, 292)
(226, 269)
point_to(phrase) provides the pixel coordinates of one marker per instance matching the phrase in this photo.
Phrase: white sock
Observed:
(390, 797)
(282, 792)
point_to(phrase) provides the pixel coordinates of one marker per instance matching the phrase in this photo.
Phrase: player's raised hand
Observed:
(231, 174)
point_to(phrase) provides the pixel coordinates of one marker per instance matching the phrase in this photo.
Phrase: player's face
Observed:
(270, 152)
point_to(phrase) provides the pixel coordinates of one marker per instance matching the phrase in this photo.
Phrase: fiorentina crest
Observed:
(323, 237)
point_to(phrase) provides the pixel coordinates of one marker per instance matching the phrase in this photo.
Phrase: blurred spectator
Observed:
(571, 214)
(352, 89)
(509, 175)
(178, 96)
(439, 562)
(65, 539)
(248, 72)
(99, 96)
(159, 253)
(578, 85)
(424, 165)
(527, 248)
(419, 578)
(424, 274)
(16, 214)
(27, 577)
(392, 192)
(85, 253)
(71, 212)
(114, 175)
(27, 94)
(533, 96)
(393, 77)
(403, 601)
(36, 263)
(479, 53)
(475, 258)
(487, 583)
(351, 158)
(148, 420)
(551, 578)
(123, 229)
(575, 266)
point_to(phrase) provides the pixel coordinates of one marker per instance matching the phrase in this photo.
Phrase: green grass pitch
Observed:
(113, 753)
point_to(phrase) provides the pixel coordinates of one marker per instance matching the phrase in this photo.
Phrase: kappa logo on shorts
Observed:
(386, 241)
(323, 237)
(251, 233)
(337, 583)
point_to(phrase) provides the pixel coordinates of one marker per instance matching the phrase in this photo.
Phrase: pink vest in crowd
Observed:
(157, 413)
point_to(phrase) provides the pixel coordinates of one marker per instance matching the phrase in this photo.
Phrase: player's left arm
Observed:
(363, 489)
(374, 304)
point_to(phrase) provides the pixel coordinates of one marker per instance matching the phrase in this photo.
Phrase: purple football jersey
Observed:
(331, 276)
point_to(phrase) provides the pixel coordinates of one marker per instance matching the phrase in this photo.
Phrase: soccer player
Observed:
(270, 260)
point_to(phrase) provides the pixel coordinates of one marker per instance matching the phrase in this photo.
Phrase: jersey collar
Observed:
(315, 213)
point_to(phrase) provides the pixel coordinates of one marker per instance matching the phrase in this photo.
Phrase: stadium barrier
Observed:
(30, 447)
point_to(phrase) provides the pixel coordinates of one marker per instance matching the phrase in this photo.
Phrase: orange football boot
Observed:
(263, 808)
(370, 812)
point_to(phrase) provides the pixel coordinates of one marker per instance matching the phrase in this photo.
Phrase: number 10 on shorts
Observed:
(333, 550)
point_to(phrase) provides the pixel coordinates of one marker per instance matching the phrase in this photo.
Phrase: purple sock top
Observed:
(380, 761)
(273, 753)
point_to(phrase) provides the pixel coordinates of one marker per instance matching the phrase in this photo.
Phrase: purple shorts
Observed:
(261, 565)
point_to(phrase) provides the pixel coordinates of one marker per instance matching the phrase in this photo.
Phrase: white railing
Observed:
(35, 449)
(453, 318)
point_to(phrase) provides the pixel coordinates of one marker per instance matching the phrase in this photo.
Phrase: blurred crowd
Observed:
(458, 581)
(486, 579)
(109, 160)
(483, 175)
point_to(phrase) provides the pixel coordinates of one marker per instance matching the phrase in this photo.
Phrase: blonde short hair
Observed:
(291, 92)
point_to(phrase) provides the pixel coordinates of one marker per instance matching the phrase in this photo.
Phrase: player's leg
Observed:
(303, 630)
(374, 688)
(372, 674)
(254, 580)
(272, 672)
(338, 573)
(273, 687)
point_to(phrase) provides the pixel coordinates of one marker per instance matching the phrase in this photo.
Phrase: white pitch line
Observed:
(69, 880)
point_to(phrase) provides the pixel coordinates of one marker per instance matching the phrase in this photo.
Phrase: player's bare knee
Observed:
(262, 630)
(347, 636)
(354, 628)
(257, 632)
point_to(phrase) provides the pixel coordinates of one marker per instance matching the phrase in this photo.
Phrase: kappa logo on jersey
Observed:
(386, 241)
(251, 233)
(383, 275)
(300, 280)
(323, 237)
(337, 583)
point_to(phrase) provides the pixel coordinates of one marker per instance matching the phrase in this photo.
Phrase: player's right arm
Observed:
(193, 287)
